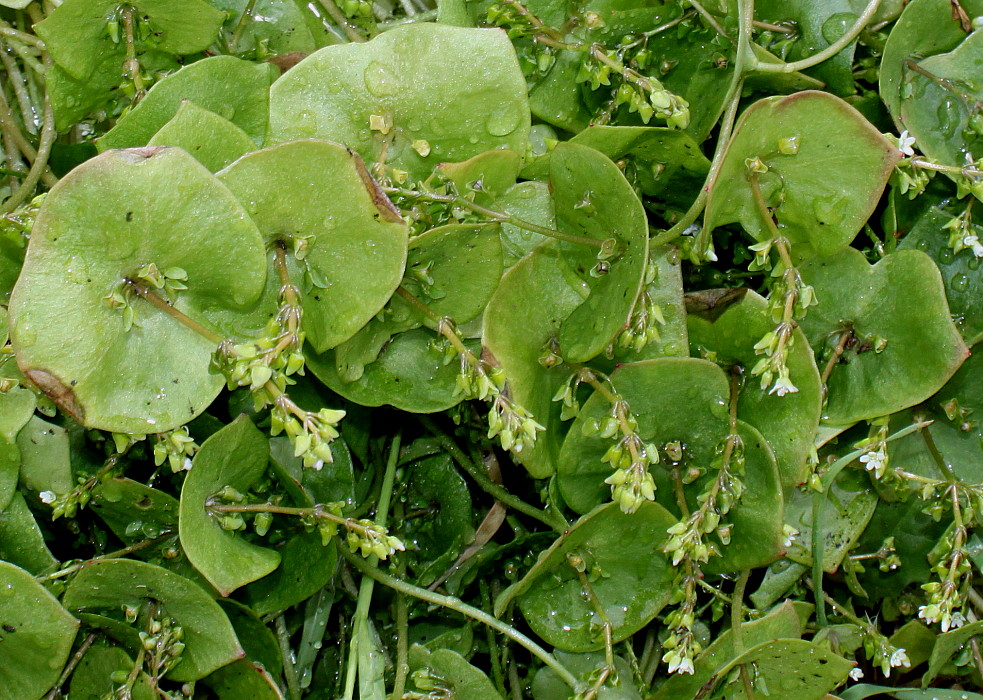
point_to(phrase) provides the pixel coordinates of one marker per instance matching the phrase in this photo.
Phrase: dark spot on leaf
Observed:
(129, 216)
(9, 628)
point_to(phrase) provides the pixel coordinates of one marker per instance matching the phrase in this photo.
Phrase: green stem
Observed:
(289, 669)
(126, 551)
(361, 617)
(737, 629)
(55, 692)
(826, 53)
(48, 135)
(179, 316)
(964, 171)
(338, 17)
(427, 16)
(132, 63)
(818, 503)
(478, 474)
(493, 650)
(940, 462)
(463, 608)
(240, 27)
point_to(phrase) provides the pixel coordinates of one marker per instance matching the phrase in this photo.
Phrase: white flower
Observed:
(682, 665)
(973, 241)
(905, 143)
(187, 464)
(783, 386)
(856, 673)
(958, 620)
(790, 534)
(900, 658)
(874, 461)
(47, 496)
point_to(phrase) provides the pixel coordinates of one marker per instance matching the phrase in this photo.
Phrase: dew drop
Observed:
(504, 120)
(960, 282)
(379, 80)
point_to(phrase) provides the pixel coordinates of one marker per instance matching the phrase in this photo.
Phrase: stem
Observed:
(709, 19)
(132, 64)
(339, 18)
(939, 460)
(136, 547)
(16, 80)
(829, 51)
(366, 586)
(737, 629)
(478, 474)
(427, 16)
(497, 216)
(817, 557)
(289, 670)
(965, 170)
(493, 651)
(179, 316)
(48, 135)
(22, 37)
(767, 26)
(240, 27)
(403, 627)
(845, 336)
(55, 692)
(463, 608)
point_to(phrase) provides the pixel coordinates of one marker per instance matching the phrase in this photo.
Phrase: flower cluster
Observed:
(963, 235)
(642, 327)
(880, 652)
(947, 596)
(875, 458)
(310, 432)
(170, 280)
(163, 640)
(177, 447)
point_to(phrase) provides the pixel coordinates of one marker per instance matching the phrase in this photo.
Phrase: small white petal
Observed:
(47, 496)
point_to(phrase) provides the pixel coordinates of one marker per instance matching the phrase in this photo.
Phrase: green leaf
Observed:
(133, 511)
(844, 514)
(630, 577)
(593, 199)
(21, 541)
(960, 272)
(547, 684)
(487, 174)
(917, 640)
(461, 679)
(305, 567)
(214, 141)
(530, 201)
(408, 374)
(319, 192)
(824, 192)
(453, 269)
(235, 456)
(371, 663)
(16, 409)
(243, 679)
(234, 89)
(946, 646)
(788, 668)
(865, 690)
(658, 157)
(37, 635)
(111, 583)
(515, 332)
(781, 622)
(900, 300)
(460, 90)
(788, 422)
(92, 677)
(276, 26)
(45, 460)
(909, 39)
(98, 227)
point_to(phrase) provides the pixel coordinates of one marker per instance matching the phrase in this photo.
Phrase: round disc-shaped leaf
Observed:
(447, 92)
(628, 573)
(99, 226)
(827, 166)
(593, 199)
(235, 456)
(318, 194)
(37, 635)
(899, 301)
(532, 300)
(788, 422)
(460, 678)
(16, 409)
(112, 583)
(232, 88)
(213, 140)
(406, 373)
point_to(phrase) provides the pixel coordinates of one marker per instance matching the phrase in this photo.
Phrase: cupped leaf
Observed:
(102, 224)
(213, 140)
(593, 199)
(781, 622)
(489, 175)
(21, 541)
(452, 672)
(407, 373)
(306, 566)
(682, 400)
(960, 271)
(76, 33)
(787, 668)
(908, 40)
(676, 398)
(658, 156)
(547, 684)
(316, 199)
(946, 646)
(453, 269)
(827, 166)
(93, 677)
(788, 422)
(424, 92)
(516, 332)
(37, 635)
(134, 511)
(531, 202)
(235, 456)
(629, 575)
(109, 584)
(234, 89)
(897, 311)
(843, 514)
(943, 111)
